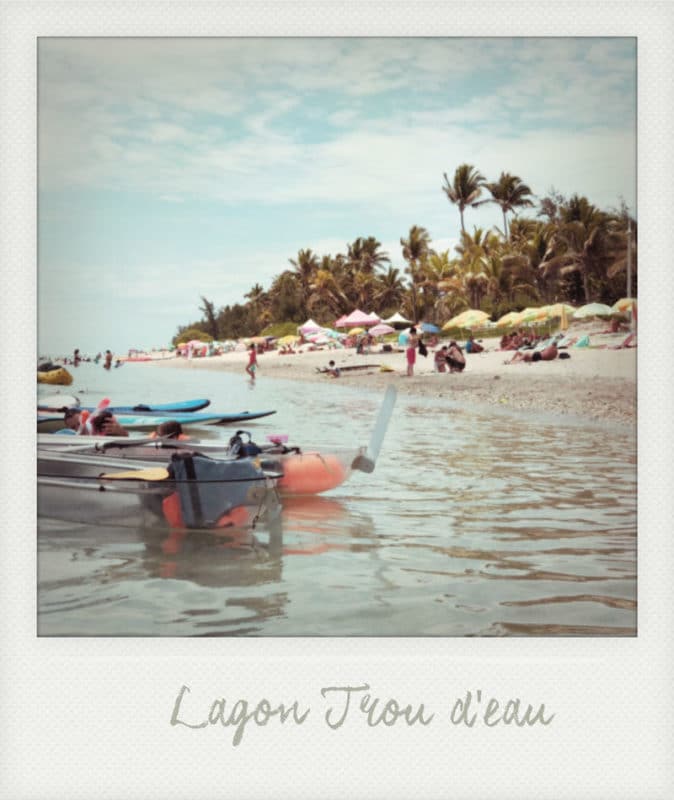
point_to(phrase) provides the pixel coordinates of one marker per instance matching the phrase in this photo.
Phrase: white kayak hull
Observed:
(73, 487)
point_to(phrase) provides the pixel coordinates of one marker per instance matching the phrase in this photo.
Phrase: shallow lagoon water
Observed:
(475, 522)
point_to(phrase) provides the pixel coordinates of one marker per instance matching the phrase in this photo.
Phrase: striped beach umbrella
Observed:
(530, 315)
(624, 305)
(507, 319)
(471, 318)
(593, 310)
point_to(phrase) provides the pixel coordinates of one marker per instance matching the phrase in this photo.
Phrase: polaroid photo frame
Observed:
(123, 717)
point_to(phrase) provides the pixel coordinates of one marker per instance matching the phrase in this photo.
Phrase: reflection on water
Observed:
(473, 523)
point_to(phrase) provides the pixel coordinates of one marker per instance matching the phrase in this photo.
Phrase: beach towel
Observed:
(584, 341)
(566, 341)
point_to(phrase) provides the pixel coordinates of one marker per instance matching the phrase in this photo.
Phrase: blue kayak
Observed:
(180, 407)
(149, 422)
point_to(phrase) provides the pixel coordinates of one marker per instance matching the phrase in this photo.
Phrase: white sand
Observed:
(593, 383)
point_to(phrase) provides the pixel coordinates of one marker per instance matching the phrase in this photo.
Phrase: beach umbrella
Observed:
(397, 319)
(470, 318)
(507, 319)
(531, 315)
(290, 339)
(357, 318)
(381, 329)
(556, 309)
(356, 331)
(624, 305)
(428, 327)
(310, 327)
(332, 334)
(593, 310)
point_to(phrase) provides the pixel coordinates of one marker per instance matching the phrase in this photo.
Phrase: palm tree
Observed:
(416, 250)
(464, 189)
(305, 266)
(258, 301)
(509, 193)
(588, 245)
(284, 299)
(389, 290)
(364, 256)
(326, 298)
(211, 318)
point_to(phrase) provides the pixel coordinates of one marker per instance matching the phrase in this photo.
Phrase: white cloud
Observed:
(328, 138)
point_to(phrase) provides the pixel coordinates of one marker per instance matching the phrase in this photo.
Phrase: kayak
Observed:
(48, 423)
(60, 403)
(58, 376)
(186, 491)
(299, 471)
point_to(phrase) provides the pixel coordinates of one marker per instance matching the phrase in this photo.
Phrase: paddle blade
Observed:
(366, 461)
(149, 474)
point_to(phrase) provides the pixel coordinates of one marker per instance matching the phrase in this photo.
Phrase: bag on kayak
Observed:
(209, 488)
(240, 448)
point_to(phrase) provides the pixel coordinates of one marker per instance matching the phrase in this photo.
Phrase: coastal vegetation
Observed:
(566, 250)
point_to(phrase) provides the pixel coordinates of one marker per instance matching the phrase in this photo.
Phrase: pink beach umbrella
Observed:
(382, 329)
(357, 318)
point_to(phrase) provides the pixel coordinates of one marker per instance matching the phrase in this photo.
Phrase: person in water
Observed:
(108, 359)
(252, 361)
(333, 370)
(171, 429)
(102, 424)
(71, 419)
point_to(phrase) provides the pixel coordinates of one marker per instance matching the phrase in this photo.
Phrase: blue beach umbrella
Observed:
(428, 327)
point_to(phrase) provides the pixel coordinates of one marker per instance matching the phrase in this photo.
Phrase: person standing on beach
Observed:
(411, 351)
(252, 361)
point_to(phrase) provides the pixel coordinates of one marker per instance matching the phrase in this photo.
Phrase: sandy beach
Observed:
(595, 383)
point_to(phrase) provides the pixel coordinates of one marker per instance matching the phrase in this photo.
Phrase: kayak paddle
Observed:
(366, 461)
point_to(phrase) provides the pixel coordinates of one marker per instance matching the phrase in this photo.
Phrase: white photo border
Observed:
(84, 716)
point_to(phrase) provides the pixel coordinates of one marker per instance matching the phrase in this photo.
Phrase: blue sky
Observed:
(175, 168)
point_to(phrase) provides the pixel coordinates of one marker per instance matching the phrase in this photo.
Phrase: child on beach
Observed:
(252, 362)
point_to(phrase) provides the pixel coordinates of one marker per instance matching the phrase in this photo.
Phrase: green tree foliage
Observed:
(465, 188)
(187, 334)
(211, 321)
(569, 251)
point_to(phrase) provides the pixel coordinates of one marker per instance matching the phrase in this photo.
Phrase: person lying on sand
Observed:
(548, 353)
